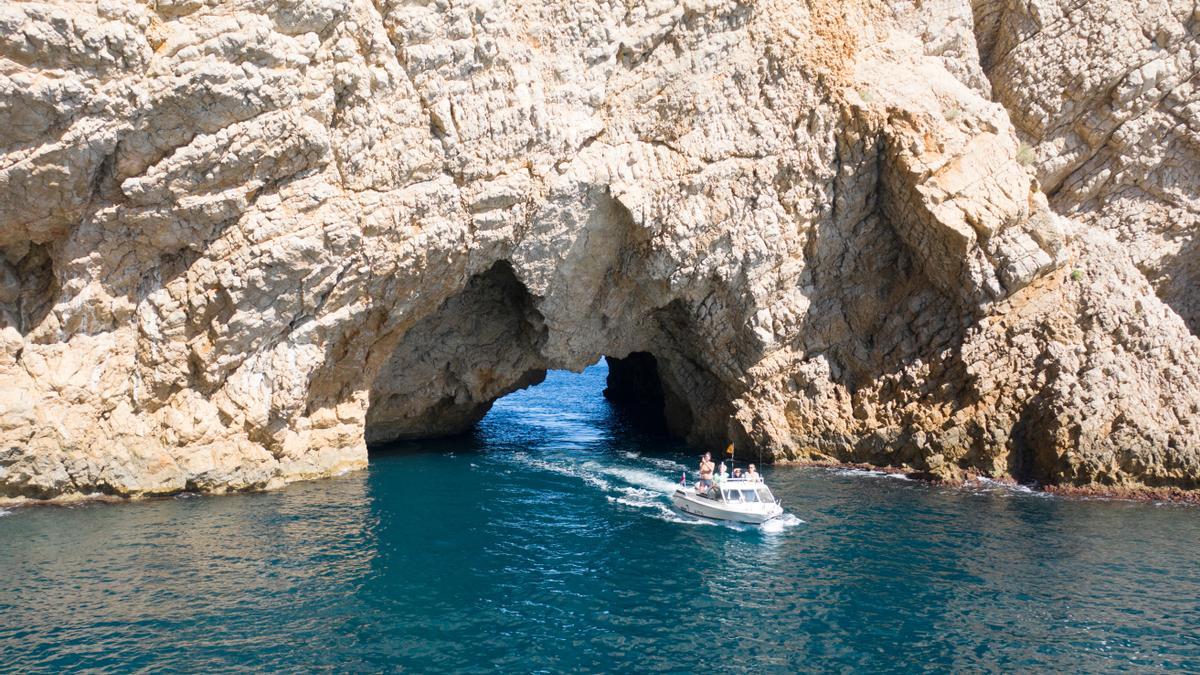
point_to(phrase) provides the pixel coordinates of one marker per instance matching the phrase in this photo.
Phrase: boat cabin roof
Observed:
(743, 485)
(731, 485)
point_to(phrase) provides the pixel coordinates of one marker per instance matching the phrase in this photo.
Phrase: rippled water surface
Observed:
(546, 542)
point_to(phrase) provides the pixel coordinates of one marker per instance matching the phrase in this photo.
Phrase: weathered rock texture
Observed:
(239, 239)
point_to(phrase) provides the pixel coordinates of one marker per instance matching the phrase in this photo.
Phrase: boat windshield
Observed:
(749, 496)
(733, 496)
(765, 495)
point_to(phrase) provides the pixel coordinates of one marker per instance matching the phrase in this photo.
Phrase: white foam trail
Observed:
(637, 477)
(667, 464)
(643, 490)
(4, 512)
(598, 474)
(777, 525)
(664, 464)
(639, 496)
(661, 511)
(563, 469)
(652, 504)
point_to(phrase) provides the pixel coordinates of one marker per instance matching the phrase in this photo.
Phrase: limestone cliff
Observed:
(240, 239)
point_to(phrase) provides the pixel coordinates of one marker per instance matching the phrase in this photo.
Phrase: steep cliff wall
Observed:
(1105, 94)
(240, 238)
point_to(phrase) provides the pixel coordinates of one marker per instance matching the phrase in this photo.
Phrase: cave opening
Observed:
(616, 403)
(635, 390)
(481, 343)
(487, 342)
(28, 286)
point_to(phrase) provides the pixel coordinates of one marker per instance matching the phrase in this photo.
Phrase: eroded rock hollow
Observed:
(240, 240)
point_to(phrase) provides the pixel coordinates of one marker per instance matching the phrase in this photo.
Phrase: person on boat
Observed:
(706, 472)
(737, 473)
(752, 474)
(722, 476)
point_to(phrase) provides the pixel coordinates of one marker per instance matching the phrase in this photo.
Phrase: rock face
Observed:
(238, 240)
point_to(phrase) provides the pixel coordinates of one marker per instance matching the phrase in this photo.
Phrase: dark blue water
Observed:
(546, 543)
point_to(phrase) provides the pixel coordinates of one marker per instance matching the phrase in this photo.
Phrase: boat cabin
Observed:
(735, 491)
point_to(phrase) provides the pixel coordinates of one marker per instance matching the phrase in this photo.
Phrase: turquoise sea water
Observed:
(545, 542)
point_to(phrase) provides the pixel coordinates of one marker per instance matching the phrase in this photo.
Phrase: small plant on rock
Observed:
(1025, 154)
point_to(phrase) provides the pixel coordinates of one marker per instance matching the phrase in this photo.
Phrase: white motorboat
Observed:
(736, 499)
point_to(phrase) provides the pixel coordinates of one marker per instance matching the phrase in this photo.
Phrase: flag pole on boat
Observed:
(729, 451)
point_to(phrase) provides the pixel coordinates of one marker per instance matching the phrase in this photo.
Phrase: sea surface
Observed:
(545, 542)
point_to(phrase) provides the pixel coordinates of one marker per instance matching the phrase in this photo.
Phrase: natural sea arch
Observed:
(488, 340)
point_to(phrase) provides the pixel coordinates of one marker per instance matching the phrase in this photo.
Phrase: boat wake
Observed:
(656, 505)
(4, 512)
(564, 468)
(636, 477)
(669, 465)
(777, 525)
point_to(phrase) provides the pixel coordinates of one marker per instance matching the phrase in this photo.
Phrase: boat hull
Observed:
(691, 504)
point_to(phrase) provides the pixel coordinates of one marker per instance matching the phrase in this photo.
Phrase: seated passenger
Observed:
(721, 474)
(752, 474)
(737, 473)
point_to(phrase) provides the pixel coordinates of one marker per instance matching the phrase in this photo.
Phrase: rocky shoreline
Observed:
(1093, 492)
(1112, 493)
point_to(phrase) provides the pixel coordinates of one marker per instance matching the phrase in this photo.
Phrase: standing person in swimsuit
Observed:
(706, 472)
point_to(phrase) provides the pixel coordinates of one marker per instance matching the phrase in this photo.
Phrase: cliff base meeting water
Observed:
(547, 542)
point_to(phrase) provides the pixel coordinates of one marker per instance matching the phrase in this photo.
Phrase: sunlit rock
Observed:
(240, 240)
